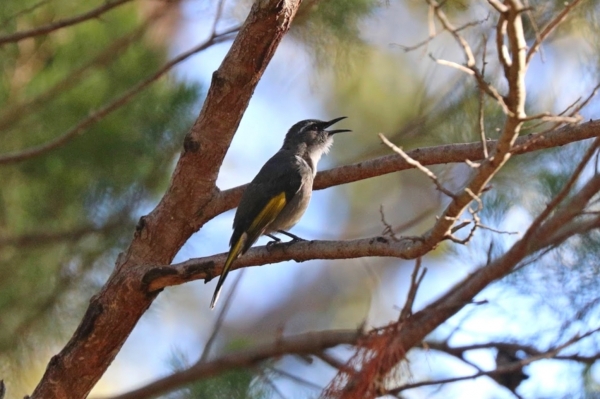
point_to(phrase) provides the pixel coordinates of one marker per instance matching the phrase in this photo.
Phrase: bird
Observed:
(275, 200)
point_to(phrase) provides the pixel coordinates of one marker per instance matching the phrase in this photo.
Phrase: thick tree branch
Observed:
(116, 309)
(63, 23)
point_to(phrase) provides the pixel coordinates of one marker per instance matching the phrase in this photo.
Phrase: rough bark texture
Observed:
(116, 309)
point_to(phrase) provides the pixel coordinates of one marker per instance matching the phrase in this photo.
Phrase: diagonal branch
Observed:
(303, 344)
(63, 23)
(550, 27)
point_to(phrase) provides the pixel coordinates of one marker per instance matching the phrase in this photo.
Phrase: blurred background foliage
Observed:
(65, 215)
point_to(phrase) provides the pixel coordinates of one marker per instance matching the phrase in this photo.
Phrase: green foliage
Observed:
(65, 214)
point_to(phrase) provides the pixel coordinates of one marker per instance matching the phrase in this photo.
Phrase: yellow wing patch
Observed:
(268, 214)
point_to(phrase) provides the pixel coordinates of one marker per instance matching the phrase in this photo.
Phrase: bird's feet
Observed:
(277, 240)
(294, 237)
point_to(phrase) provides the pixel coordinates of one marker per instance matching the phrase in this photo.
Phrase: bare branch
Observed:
(417, 165)
(415, 282)
(471, 67)
(501, 49)
(566, 189)
(434, 34)
(303, 344)
(159, 277)
(481, 100)
(470, 59)
(220, 317)
(388, 230)
(42, 30)
(550, 27)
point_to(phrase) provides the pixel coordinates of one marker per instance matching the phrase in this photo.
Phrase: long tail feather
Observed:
(234, 252)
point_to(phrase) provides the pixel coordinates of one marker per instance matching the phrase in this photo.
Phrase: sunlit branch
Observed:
(436, 155)
(156, 278)
(417, 165)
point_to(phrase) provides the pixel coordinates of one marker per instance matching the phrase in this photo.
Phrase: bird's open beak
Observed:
(332, 122)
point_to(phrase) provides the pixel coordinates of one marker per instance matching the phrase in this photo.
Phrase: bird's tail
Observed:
(234, 252)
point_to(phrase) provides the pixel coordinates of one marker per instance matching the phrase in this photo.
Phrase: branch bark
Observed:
(116, 309)
(443, 154)
(303, 344)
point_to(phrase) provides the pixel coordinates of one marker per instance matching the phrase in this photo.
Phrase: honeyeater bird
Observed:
(277, 197)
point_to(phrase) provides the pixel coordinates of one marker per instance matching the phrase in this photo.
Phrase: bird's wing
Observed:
(273, 187)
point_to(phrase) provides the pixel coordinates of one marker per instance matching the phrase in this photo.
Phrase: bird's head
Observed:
(312, 136)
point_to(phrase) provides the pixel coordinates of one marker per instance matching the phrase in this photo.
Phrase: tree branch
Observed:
(159, 277)
(303, 344)
(550, 27)
(63, 23)
(443, 154)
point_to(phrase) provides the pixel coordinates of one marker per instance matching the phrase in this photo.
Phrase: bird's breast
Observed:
(294, 209)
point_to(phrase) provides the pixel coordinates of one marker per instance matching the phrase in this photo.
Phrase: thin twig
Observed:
(388, 230)
(565, 190)
(221, 317)
(42, 30)
(415, 282)
(418, 165)
(481, 100)
(471, 67)
(435, 34)
(549, 354)
(549, 28)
